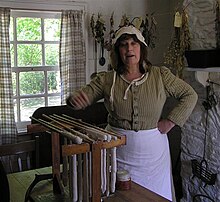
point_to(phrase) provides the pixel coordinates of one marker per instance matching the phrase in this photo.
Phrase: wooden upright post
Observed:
(96, 172)
(57, 185)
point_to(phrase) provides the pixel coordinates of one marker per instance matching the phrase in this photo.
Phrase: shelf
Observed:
(210, 69)
(202, 74)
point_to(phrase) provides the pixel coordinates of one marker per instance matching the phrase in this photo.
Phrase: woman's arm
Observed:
(78, 100)
(88, 94)
(183, 92)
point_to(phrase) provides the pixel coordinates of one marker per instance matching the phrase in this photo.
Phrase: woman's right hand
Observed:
(165, 125)
(78, 101)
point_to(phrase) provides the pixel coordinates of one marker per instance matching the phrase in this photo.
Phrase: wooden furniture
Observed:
(43, 192)
(4, 185)
(95, 114)
(17, 157)
(85, 165)
(28, 149)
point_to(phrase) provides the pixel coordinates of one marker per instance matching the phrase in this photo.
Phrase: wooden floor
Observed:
(43, 192)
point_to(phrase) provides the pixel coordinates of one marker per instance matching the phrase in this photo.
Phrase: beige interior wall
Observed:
(163, 12)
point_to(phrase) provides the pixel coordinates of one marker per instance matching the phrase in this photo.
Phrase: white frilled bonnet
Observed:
(129, 30)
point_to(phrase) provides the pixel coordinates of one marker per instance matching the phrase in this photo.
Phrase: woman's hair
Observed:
(116, 61)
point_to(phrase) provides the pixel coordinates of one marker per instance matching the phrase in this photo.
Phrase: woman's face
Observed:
(130, 52)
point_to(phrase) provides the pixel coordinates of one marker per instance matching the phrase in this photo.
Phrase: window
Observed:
(34, 41)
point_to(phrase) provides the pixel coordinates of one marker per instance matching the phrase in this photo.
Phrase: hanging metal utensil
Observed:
(201, 170)
(96, 56)
(102, 58)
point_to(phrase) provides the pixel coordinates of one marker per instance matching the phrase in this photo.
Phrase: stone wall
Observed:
(202, 18)
(197, 142)
(194, 145)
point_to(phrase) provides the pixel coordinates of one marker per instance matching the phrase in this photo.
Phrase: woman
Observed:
(134, 94)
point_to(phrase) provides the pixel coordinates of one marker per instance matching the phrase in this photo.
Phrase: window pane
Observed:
(11, 31)
(52, 29)
(52, 54)
(28, 29)
(29, 105)
(12, 51)
(14, 83)
(29, 55)
(54, 101)
(15, 110)
(31, 83)
(53, 82)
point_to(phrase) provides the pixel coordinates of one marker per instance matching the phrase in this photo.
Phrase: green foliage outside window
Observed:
(31, 83)
(29, 55)
(29, 29)
(30, 51)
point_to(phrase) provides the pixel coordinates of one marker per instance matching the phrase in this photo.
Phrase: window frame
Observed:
(21, 125)
(52, 6)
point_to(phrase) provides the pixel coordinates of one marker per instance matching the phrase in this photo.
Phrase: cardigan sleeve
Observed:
(94, 90)
(183, 92)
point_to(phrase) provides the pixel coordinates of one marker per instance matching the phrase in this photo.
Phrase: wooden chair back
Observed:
(20, 156)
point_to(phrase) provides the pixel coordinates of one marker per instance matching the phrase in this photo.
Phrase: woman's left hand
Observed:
(165, 125)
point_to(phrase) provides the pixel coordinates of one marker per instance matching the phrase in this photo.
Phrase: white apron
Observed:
(146, 156)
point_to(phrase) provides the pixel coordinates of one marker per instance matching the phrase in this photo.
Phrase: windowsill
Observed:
(22, 131)
(22, 127)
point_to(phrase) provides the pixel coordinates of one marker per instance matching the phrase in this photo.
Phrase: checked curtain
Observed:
(8, 131)
(72, 53)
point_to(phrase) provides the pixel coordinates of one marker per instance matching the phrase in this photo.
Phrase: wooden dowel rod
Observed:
(55, 128)
(77, 133)
(91, 131)
(90, 125)
(79, 124)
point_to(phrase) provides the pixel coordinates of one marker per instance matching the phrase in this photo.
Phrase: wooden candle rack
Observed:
(87, 156)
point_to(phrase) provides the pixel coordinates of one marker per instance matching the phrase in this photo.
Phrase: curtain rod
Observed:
(78, 6)
(34, 9)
